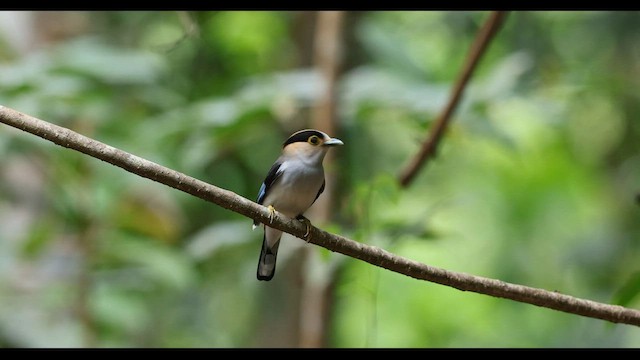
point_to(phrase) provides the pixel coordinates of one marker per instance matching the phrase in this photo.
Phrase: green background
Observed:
(535, 183)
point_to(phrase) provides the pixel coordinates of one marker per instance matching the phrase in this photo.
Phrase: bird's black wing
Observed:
(319, 191)
(272, 175)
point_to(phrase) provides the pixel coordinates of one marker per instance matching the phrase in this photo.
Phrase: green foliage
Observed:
(534, 182)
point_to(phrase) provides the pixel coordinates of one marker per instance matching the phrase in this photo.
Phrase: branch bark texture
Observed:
(430, 145)
(371, 254)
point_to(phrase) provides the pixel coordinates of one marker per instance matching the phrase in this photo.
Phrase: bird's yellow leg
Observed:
(272, 213)
(307, 222)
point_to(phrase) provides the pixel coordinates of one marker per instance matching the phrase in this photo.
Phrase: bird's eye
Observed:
(314, 140)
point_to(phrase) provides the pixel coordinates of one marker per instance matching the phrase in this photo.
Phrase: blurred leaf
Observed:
(504, 79)
(120, 310)
(38, 238)
(24, 74)
(389, 47)
(157, 264)
(210, 239)
(629, 291)
(253, 39)
(368, 85)
(147, 215)
(110, 65)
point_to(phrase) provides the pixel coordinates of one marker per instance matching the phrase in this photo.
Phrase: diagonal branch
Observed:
(371, 254)
(429, 147)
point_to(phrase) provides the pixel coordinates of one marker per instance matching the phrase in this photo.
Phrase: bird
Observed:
(292, 185)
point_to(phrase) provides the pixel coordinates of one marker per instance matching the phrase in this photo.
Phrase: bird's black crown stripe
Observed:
(302, 136)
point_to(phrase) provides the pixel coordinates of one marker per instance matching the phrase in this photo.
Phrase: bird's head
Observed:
(309, 144)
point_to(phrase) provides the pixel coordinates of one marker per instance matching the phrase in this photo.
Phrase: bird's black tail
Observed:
(267, 261)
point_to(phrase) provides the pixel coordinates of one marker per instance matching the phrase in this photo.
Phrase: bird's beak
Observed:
(333, 142)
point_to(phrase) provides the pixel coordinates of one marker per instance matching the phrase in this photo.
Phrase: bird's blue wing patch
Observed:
(261, 193)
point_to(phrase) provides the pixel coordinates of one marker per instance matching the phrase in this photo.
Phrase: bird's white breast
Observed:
(295, 190)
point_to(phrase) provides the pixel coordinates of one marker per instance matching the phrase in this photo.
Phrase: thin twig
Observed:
(371, 254)
(429, 147)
